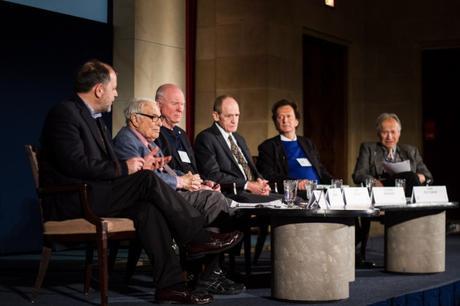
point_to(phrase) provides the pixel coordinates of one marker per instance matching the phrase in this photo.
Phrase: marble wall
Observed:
(149, 49)
(253, 50)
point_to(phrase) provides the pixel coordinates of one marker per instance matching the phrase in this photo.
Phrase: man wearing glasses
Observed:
(136, 139)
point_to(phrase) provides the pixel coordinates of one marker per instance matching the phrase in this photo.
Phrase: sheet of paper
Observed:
(272, 204)
(393, 168)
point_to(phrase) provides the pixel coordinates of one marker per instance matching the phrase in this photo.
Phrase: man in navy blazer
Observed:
(223, 155)
(76, 148)
(173, 139)
(287, 155)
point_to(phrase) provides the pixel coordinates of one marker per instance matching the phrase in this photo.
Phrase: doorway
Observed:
(440, 98)
(325, 102)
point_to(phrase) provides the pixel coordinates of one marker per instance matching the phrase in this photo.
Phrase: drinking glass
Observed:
(336, 183)
(399, 182)
(310, 187)
(290, 192)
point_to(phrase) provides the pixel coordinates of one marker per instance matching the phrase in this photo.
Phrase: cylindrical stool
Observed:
(311, 261)
(415, 242)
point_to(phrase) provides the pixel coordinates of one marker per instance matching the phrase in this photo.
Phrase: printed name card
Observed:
(318, 198)
(335, 198)
(388, 196)
(357, 198)
(429, 194)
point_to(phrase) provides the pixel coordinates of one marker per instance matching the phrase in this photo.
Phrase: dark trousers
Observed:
(159, 214)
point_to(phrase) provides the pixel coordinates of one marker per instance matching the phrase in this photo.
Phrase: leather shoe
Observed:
(218, 283)
(185, 296)
(364, 264)
(217, 243)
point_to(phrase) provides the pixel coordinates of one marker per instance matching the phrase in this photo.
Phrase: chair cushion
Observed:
(82, 226)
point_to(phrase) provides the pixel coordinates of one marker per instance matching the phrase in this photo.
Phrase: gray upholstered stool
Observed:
(415, 241)
(312, 261)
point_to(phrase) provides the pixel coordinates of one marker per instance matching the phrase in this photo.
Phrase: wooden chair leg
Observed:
(114, 247)
(134, 253)
(46, 255)
(263, 232)
(103, 269)
(247, 251)
(88, 269)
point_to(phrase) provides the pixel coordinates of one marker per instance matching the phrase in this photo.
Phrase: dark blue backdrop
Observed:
(39, 54)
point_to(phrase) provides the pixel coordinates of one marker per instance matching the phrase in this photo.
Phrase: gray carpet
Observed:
(63, 284)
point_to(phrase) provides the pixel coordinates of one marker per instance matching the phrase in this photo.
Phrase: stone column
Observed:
(149, 49)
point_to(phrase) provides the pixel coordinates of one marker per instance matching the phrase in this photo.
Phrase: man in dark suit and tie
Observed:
(76, 148)
(223, 155)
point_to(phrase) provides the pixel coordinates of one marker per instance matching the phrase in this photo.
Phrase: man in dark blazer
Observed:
(223, 155)
(288, 156)
(173, 139)
(373, 155)
(76, 148)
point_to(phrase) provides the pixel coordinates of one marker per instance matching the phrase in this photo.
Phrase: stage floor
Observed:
(63, 283)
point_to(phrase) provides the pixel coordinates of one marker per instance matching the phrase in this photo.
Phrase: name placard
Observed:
(318, 198)
(388, 196)
(335, 198)
(429, 194)
(357, 198)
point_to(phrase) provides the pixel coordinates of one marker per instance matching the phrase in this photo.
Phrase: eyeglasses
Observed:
(153, 117)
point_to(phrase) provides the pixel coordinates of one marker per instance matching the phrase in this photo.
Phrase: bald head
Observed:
(171, 100)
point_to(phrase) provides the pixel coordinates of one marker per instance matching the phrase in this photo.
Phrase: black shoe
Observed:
(218, 283)
(217, 243)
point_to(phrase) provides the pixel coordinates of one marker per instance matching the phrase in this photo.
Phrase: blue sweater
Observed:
(295, 170)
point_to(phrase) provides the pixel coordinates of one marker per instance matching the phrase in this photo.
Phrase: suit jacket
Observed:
(169, 148)
(215, 159)
(272, 160)
(371, 157)
(127, 145)
(75, 150)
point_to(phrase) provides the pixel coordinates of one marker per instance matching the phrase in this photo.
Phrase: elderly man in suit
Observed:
(223, 155)
(136, 139)
(76, 148)
(373, 155)
(288, 156)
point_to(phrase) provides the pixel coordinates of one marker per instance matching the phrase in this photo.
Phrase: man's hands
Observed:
(149, 162)
(259, 186)
(191, 182)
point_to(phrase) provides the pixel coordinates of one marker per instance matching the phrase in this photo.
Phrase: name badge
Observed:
(357, 198)
(335, 198)
(429, 194)
(388, 196)
(184, 156)
(304, 162)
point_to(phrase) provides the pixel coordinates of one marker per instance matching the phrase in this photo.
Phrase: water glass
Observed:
(336, 183)
(290, 192)
(310, 187)
(400, 183)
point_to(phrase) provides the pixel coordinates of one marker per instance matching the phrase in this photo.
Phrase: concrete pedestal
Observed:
(415, 242)
(312, 261)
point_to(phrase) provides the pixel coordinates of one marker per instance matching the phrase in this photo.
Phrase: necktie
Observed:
(240, 158)
(167, 168)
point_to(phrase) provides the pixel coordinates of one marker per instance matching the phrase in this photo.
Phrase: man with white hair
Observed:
(136, 139)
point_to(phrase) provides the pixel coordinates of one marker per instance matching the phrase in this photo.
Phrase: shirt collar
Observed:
(223, 132)
(284, 138)
(93, 113)
(140, 137)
